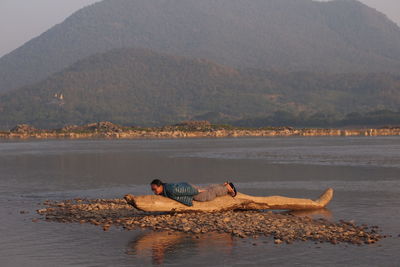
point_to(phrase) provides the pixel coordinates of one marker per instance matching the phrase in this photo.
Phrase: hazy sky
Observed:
(21, 20)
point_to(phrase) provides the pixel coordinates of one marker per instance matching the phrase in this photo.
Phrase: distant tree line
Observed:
(377, 118)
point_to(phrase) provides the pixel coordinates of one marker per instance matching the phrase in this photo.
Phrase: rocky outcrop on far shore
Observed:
(184, 130)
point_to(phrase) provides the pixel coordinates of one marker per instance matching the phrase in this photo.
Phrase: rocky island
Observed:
(282, 227)
(189, 129)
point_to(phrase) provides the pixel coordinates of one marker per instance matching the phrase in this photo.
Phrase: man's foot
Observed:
(231, 189)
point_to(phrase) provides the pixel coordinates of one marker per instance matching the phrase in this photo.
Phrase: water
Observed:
(364, 172)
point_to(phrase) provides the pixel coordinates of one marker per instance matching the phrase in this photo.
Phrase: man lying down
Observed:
(185, 193)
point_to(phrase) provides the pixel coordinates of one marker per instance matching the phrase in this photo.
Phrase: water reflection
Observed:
(162, 246)
(315, 214)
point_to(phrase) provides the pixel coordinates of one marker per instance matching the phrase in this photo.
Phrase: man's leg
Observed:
(211, 192)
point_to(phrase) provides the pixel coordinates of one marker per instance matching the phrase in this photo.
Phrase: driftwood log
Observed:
(153, 203)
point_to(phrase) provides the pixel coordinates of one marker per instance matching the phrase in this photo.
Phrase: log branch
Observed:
(153, 203)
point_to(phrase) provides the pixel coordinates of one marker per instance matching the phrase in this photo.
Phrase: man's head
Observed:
(157, 187)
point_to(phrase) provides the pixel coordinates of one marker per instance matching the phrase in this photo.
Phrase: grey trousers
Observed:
(211, 192)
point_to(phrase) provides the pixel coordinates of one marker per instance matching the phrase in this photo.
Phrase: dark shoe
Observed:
(234, 193)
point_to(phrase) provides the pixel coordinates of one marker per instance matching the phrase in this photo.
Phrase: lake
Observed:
(364, 171)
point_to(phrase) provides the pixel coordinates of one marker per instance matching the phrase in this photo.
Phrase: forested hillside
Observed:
(142, 87)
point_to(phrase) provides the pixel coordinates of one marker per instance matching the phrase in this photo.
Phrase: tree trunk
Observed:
(153, 203)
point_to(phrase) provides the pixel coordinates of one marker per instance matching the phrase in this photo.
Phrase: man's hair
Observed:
(156, 182)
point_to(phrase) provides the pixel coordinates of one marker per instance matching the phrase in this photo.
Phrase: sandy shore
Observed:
(185, 130)
(282, 227)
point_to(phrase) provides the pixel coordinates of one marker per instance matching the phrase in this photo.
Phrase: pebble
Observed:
(283, 227)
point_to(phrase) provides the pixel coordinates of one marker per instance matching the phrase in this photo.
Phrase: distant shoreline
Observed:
(109, 130)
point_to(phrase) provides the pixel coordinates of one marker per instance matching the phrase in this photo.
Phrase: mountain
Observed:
(141, 87)
(292, 35)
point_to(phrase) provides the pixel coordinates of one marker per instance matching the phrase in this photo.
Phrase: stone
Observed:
(196, 231)
(23, 129)
(226, 219)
